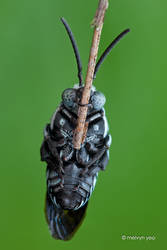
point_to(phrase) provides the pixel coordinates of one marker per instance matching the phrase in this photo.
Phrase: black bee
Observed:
(71, 173)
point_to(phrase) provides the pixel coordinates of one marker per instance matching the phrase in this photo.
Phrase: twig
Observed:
(81, 128)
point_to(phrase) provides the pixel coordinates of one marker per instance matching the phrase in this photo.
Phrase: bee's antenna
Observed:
(75, 48)
(108, 49)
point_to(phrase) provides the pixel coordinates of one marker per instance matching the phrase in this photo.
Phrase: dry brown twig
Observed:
(81, 128)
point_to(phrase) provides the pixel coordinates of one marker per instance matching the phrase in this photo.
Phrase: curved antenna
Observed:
(75, 48)
(108, 49)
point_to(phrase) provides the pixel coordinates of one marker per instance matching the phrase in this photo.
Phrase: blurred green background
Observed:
(36, 64)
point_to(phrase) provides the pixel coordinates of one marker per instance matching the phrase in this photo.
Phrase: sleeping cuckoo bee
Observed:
(72, 173)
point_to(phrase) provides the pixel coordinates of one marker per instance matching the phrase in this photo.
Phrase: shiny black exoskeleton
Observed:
(71, 173)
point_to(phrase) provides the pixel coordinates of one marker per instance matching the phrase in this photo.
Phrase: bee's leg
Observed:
(44, 152)
(100, 164)
(54, 144)
(91, 147)
(50, 160)
(66, 152)
(82, 156)
(93, 169)
(93, 161)
(58, 146)
(50, 154)
(96, 158)
(104, 160)
(55, 153)
(57, 141)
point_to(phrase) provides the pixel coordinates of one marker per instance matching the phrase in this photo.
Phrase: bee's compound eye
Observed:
(69, 97)
(98, 100)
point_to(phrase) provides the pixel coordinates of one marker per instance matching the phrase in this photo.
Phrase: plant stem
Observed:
(81, 128)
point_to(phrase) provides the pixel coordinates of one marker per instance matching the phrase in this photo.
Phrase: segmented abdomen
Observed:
(73, 190)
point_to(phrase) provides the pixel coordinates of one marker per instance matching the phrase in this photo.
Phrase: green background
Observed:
(36, 64)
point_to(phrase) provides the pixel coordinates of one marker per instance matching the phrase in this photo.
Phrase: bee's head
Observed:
(72, 99)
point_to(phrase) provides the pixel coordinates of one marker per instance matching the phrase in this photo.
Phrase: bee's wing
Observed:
(63, 223)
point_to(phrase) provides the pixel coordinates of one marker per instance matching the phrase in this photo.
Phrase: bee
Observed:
(72, 173)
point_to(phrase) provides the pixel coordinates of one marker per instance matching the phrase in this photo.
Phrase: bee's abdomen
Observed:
(74, 191)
